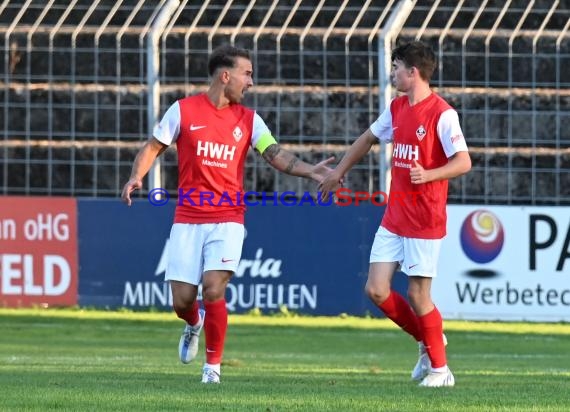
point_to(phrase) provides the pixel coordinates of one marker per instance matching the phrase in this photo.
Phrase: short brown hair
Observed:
(419, 55)
(225, 56)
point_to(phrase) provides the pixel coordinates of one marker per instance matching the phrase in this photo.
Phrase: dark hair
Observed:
(419, 55)
(225, 56)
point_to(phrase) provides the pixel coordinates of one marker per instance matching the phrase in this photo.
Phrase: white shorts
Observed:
(196, 248)
(417, 257)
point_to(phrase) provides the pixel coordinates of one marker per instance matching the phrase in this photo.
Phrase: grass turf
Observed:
(92, 360)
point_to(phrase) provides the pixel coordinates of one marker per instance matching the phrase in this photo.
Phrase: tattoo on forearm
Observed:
(270, 153)
(291, 165)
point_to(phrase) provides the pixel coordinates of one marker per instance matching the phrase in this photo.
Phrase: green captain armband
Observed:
(265, 140)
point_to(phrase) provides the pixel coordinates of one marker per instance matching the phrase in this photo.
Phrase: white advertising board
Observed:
(505, 263)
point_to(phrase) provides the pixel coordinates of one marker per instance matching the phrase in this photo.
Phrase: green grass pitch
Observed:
(73, 360)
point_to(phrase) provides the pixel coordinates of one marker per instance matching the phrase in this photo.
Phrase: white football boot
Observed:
(209, 375)
(438, 379)
(188, 345)
(423, 365)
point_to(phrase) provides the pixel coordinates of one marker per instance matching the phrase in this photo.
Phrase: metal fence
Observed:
(83, 81)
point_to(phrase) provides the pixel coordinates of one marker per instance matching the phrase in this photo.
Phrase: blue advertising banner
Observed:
(311, 260)
(120, 249)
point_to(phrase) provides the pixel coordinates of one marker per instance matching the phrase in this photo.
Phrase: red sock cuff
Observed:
(431, 319)
(214, 306)
(389, 305)
(191, 316)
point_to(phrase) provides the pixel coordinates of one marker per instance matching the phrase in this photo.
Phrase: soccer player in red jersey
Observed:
(212, 132)
(428, 149)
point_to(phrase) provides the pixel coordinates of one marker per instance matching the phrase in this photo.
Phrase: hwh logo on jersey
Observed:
(406, 152)
(216, 150)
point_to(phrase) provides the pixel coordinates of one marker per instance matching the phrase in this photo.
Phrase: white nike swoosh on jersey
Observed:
(192, 127)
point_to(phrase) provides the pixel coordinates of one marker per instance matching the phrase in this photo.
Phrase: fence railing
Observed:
(79, 94)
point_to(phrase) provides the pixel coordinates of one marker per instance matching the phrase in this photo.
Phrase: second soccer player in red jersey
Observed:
(429, 148)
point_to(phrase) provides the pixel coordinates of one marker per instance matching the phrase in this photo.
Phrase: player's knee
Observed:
(213, 293)
(376, 293)
(181, 307)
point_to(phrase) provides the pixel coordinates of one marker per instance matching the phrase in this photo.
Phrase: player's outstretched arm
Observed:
(145, 157)
(287, 162)
(355, 153)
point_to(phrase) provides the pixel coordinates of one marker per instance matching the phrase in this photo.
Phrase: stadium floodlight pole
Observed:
(385, 42)
(153, 72)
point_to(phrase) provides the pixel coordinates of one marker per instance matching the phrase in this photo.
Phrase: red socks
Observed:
(399, 310)
(427, 328)
(191, 316)
(215, 326)
(431, 326)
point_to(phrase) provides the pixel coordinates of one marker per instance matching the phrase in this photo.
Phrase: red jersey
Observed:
(212, 146)
(429, 133)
